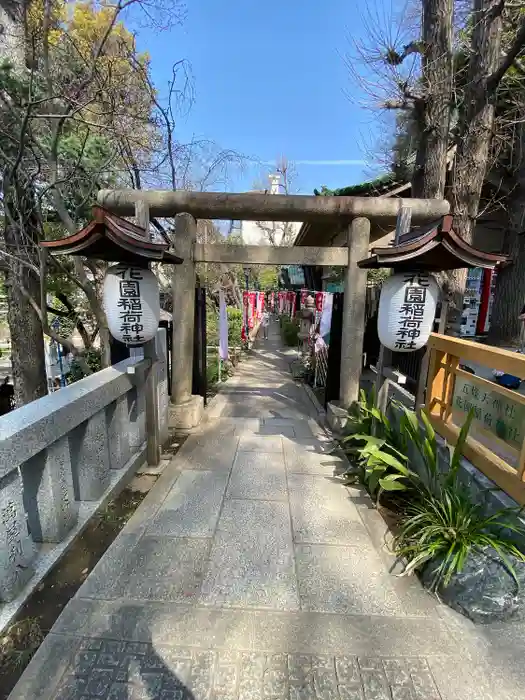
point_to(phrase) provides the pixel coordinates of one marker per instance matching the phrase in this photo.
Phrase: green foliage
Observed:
(379, 448)
(445, 526)
(234, 326)
(94, 361)
(289, 331)
(268, 277)
(442, 523)
(377, 277)
(212, 324)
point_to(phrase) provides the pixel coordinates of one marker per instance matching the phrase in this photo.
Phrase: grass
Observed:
(19, 643)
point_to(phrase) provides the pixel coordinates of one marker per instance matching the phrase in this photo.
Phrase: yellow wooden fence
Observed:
(496, 442)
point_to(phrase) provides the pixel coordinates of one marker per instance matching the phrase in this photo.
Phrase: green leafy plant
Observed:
(446, 526)
(289, 331)
(442, 523)
(360, 414)
(93, 359)
(379, 449)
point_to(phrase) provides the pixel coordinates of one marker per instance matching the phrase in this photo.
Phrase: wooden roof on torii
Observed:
(109, 237)
(433, 248)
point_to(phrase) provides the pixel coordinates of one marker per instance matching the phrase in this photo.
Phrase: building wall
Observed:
(254, 232)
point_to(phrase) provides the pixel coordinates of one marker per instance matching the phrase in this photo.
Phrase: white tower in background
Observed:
(268, 232)
(275, 181)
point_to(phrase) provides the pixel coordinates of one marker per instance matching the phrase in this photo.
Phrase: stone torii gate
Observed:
(356, 213)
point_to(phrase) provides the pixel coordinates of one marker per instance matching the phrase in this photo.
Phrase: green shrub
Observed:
(289, 331)
(93, 357)
(234, 326)
(379, 448)
(442, 524)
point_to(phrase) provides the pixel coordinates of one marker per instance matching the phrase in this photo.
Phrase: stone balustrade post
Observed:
(48, 493)
(89, 449)
(16, 546)
(118, 432)
(136, 405)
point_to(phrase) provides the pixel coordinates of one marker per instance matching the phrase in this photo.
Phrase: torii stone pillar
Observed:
(186, 408)
(354, 312)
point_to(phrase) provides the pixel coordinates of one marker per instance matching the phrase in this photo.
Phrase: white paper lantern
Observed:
(407, 308)
(131, 302)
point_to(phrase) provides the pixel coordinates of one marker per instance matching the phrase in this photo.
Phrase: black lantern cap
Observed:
(109, 237)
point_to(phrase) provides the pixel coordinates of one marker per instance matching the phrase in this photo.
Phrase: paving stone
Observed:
(162, 622)
(303, 429)
(101, 581)
(260, 443)
(212, 451)
(163, 568)
(311, 456)
(308, 632)
(253, 567)
(51, 661)
(459, 678)
(397, 672)
(344, 580)
(375, 685)
(110, 669)
(240, 515)
(322, 513)
(258, 475)
(191, 509)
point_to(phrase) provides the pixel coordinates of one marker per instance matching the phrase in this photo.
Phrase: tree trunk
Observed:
(477, 120)
(509, 296)
(27, 339)
(510, 293)
(433, 113)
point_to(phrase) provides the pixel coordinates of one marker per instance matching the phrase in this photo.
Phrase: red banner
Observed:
(244, 315)
(304, 296)
(281, 302)
(259, 304)
(272, 302)
(251, 309)
(319, 298)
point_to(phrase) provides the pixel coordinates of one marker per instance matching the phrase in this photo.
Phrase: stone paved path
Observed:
(250, 573)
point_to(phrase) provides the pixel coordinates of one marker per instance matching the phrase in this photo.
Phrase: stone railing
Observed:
(64, 452)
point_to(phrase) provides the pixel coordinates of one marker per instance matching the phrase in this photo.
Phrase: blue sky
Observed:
(269, 80)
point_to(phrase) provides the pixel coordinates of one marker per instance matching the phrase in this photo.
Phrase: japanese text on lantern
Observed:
(412, 310)
(130, 304)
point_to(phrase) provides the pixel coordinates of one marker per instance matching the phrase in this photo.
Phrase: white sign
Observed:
(132, 305)
(326, 317)
(223, 327)
(407, 308)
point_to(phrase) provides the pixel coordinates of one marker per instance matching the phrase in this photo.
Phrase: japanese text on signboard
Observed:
(130, 304)
(492, 411)
(412, 310)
